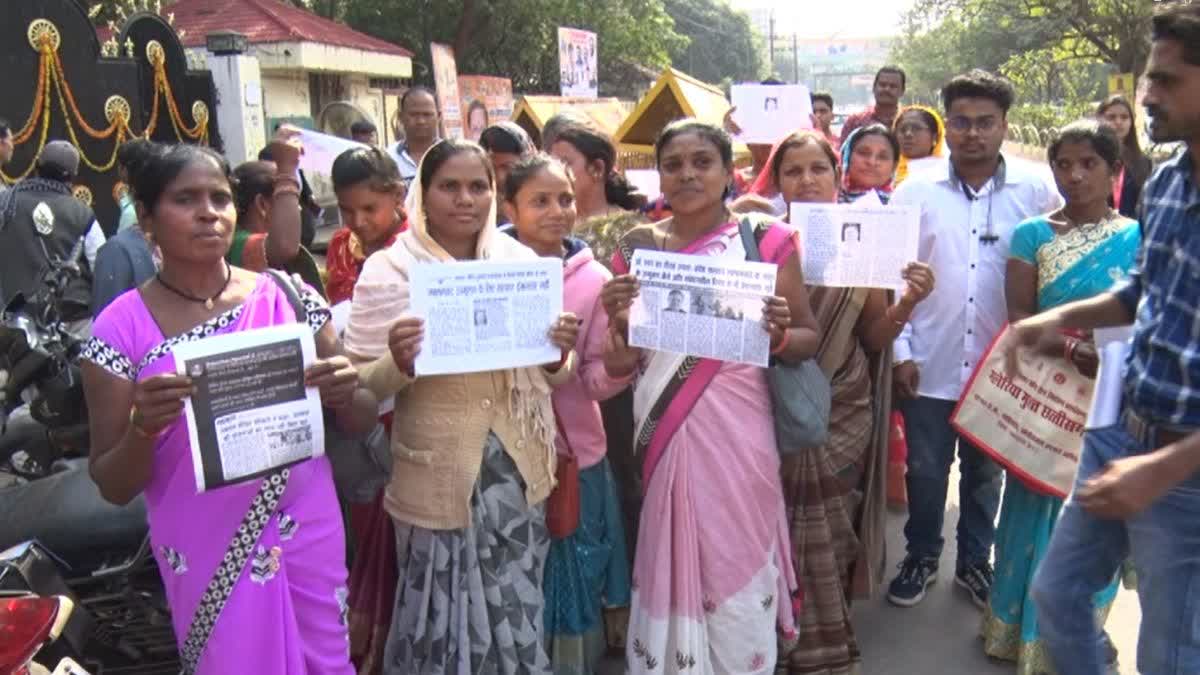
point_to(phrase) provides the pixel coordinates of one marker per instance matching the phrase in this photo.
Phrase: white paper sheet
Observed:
(321, 149)
(856, 245)
(341, 318)
(251, 412)
(646, 181)
(701, 306)
(482, 316)
(768, 112)
(1112, 344)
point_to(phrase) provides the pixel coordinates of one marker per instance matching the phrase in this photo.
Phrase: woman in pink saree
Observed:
(713, 579)
(254, 572)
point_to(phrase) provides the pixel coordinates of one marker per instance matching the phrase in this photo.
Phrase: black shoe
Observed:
(916, 575)
(1111, 655)
(977, 578)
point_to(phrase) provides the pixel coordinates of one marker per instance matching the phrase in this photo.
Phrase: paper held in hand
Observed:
(1112, 345)
(767, 113)
(1032, 423)
(701, 306)
(854, 245)
(321, 149)
(482, 316)
(251, 413)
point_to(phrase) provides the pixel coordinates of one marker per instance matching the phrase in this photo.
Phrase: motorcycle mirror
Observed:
(15, 303)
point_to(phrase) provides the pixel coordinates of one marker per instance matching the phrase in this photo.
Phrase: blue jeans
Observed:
(1085, 552)
(931, 443)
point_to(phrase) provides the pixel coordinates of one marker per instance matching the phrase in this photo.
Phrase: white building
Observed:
(306, 61)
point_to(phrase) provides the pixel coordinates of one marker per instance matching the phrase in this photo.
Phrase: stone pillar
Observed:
(238, 82)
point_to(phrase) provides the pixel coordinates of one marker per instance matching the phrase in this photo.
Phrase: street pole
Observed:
(795, 59)
(771, 42)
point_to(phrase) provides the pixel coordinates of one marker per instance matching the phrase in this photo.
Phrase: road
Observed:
(941, 634)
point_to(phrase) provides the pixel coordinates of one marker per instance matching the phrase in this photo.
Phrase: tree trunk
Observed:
(465, 32)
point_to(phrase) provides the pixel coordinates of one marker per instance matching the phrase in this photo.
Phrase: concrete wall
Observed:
(320, 58)
(286, 94)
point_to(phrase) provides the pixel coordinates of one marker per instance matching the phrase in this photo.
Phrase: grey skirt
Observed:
(470, 601)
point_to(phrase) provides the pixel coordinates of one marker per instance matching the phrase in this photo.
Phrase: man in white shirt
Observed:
(969, 205)
(419, 117)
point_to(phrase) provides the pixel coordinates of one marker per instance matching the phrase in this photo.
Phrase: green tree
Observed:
(519, 38)
(722, 45)
(1053, 50)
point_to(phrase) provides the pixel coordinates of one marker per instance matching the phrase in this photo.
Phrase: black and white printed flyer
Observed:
(251, 413)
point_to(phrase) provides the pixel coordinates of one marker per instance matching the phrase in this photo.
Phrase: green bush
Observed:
(1046, 118)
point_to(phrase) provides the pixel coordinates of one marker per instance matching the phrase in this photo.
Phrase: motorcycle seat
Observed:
(66, 514)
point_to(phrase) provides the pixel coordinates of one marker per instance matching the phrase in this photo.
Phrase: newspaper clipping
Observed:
(701, 306)
(856, 245)
(483, 316)
(251, 413)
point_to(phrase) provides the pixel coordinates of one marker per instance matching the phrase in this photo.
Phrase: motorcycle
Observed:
(66, 540)
(42, 409)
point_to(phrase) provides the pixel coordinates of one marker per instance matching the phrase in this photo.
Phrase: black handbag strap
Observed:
(290, 287)
(749, 241)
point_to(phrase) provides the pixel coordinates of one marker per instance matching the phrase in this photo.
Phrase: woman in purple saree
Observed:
(254, 572)
(713, 578)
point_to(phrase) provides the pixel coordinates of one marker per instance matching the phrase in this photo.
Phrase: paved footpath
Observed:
(940, 636)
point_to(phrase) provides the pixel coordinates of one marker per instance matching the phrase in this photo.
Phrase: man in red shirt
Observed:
(889, 86)
(822, 105)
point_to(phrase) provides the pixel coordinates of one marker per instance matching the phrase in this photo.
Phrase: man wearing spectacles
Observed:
(969, 203)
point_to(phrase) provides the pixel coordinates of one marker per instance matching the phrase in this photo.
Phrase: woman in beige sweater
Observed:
(473, 454)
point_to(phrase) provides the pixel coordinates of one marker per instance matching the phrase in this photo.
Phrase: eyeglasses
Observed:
(912, 129)
(962, 125)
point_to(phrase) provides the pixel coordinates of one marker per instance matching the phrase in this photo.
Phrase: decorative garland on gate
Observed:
(45, 39)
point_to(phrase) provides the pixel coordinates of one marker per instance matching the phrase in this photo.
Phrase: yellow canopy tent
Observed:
(674, 96)
(532, 112)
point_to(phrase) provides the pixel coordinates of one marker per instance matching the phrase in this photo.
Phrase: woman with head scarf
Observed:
(922, 136)
(472, 454)
(869, 158)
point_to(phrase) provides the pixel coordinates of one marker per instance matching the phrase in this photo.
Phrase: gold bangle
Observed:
(137, 429)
